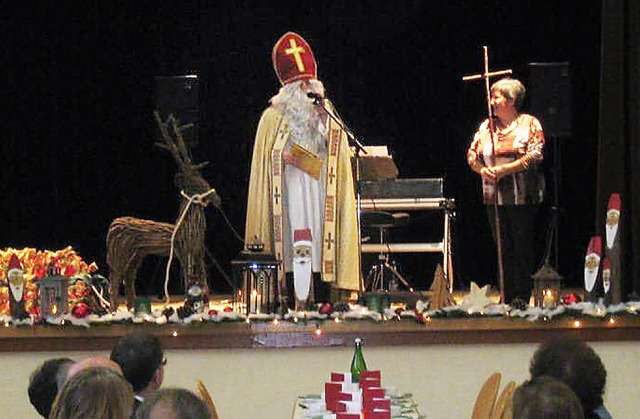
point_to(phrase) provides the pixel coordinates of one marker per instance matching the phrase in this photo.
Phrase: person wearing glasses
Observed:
(141, 357)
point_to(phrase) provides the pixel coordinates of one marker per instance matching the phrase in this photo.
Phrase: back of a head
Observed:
(139, 355)
(173, 403)
(575, 363)
(45, 382)
(94, 393)
(546, 398)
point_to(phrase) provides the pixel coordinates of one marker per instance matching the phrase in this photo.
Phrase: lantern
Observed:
(53, 295)
(255, 283)
(546, 286)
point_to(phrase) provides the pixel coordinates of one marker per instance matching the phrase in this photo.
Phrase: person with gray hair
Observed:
(173, 403)
(506, 152)
(546, 397)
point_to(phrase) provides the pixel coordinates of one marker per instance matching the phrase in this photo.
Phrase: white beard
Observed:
(17, 290)
(302, 116)
(611, 233)
(591, 274)
(302, 277)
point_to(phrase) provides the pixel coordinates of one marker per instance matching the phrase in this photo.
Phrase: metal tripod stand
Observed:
(384, 274)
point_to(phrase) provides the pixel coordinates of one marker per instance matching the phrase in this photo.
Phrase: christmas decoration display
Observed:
(24, 271)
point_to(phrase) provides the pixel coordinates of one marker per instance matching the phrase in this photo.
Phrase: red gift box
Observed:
(331, 391)
(373, 392)
(371, 374)
(376, 414)
(370, 382)
(376, 403)
(344, 396)
(340, 377)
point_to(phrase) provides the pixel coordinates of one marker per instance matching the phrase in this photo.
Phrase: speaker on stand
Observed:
(550, 101)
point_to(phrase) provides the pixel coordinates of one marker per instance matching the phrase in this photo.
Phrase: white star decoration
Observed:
(477, 299)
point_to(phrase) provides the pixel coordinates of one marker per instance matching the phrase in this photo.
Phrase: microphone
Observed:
(317, 99)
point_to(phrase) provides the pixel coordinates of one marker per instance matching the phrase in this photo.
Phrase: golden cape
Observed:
(340, 258)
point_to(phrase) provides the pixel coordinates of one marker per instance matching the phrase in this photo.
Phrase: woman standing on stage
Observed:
(508, 165)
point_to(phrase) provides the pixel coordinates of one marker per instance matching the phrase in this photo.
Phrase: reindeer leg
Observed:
(130, 279)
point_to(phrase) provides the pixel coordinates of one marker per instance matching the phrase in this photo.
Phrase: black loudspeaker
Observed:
(550, 97)
(180, 95)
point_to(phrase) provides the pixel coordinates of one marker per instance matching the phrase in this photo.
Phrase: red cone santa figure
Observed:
(302, 263)
(15, 275)
(613, 219)
(592, 262)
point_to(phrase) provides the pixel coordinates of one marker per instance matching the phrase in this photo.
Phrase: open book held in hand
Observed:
(307, 161)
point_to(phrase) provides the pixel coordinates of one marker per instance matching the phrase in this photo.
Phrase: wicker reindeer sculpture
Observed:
(130, 239)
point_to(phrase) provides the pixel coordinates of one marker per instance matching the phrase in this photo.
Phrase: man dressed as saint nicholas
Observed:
(301, 201)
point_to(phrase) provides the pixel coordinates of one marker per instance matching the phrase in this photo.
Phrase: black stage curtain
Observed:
(619, 129)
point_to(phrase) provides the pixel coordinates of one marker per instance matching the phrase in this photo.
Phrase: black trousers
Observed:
(518, 227)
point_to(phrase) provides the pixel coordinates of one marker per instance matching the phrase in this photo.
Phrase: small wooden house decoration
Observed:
(53, 295)
(546, 287)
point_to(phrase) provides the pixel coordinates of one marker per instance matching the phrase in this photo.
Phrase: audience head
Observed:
(141, 358)
(94, 393)
(173, 403)
(546, 397)
(576, 364)
(45, 382)
(93, 362)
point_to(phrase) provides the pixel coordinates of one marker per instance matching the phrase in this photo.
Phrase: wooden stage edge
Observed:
(458, 331)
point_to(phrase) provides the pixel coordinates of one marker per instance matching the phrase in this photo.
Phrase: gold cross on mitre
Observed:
(296, 51)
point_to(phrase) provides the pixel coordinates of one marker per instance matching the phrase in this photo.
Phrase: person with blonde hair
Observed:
(94, 393)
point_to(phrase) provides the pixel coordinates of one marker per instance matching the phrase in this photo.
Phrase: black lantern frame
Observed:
(255, 283)
(547, 284)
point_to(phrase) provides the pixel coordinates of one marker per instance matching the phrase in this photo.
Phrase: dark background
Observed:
(79, 91)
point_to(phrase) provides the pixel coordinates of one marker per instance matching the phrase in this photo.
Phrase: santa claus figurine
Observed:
(15, 275)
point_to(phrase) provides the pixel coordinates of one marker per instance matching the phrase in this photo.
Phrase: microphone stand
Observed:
(496, 217)
(359, 148)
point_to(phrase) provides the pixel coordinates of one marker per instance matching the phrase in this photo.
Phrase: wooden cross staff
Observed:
(486, 75)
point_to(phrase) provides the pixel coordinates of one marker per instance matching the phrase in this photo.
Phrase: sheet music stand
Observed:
(377, 167)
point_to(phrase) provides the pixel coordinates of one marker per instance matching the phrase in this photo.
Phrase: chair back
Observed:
(204, 394)
(487, 397)
(502, 408)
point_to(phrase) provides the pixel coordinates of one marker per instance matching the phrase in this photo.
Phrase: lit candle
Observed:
(253, 301)
(548, 300)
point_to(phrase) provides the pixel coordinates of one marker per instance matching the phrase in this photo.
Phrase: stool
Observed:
(378, 277)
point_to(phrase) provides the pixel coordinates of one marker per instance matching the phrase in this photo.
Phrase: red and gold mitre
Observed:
(293, 59)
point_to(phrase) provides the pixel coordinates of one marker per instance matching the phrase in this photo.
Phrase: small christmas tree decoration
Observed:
(141, 305)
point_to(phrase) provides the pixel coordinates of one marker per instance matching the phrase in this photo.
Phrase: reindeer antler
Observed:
(173, 141)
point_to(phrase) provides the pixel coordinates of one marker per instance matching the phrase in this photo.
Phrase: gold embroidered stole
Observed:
(329, 261)
(277, 200)
(336, 137)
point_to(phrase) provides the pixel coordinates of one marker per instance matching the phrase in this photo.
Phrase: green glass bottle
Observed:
(357, 363)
